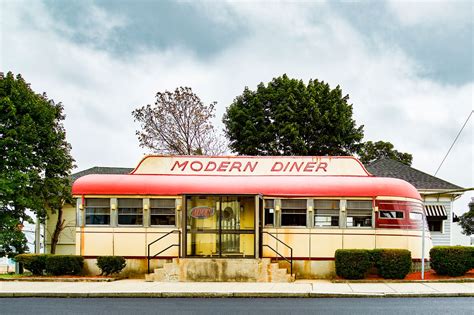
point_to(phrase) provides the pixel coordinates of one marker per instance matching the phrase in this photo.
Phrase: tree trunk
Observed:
(57, 230)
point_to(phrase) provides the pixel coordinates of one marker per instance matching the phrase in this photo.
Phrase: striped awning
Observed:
(436, 211)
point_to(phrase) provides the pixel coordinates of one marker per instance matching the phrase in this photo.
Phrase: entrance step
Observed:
(220, 269)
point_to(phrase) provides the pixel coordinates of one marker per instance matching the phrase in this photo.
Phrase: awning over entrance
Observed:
(436, 212)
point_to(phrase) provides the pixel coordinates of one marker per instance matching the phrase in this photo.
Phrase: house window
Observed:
(386, 214)
(269, 212)
(435, 225)
(326, 213)
(130, 211)
(162, 212)
(359, 213)
(293, 212)
(98, 211)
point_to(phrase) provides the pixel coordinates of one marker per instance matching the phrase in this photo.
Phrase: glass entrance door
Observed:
(220, 226)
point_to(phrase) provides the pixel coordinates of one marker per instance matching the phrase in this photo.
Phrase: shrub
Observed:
(352, 263)
(451, 260)
(110, 264)
(393, 263)
(36, 263)
(64, 264)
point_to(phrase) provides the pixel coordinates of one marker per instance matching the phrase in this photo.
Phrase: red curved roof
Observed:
(290, 186)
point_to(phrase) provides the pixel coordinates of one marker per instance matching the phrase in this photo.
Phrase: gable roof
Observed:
(390, 168)
(101, 170)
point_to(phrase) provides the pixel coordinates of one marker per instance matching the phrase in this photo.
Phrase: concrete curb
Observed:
(224, 295)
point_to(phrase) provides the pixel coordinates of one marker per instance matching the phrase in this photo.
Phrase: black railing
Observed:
(172, 245)
(290, 259)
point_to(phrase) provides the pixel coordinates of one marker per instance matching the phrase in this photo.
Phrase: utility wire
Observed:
(452, 145)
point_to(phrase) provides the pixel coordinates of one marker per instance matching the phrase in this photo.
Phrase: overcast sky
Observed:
(407, 66)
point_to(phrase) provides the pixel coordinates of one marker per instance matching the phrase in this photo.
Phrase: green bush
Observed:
(64, 264)
(393, 263)
(36, 263)
(111, 264)
(451, 260)
(352, 263)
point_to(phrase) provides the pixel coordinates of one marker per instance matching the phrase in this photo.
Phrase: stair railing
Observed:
(172, 245)
(288, 259)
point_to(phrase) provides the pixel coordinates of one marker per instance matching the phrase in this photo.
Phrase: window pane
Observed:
(162, 203)
(97, 219)
(359, 204)
(326, 204)
(130, 219)
(384, 214)
(293, 219)
(293, 204)
(98, 202)
(416, 216)
(359, 218)
(162, 219)
(130, 203)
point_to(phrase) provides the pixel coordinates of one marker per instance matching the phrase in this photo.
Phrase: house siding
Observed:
(443, 238)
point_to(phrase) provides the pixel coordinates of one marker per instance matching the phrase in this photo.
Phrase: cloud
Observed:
(100, 88)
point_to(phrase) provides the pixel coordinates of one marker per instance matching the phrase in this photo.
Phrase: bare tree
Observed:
(179, 123)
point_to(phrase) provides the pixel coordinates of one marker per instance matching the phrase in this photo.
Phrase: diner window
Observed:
(435, 225)
(386, 214)
(97, 211)
(293, 212)
(130, 211)
(326, 213)
(416, 216)
(359, 213)
(269, 212)
(162, 212)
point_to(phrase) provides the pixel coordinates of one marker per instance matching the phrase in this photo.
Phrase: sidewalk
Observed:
(301, 288)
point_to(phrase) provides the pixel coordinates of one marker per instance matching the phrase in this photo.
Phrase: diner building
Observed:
(195, 216)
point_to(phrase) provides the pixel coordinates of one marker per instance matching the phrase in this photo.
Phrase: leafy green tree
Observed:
(466, 221)
(371, 151)
(35, 160)
(289, 117)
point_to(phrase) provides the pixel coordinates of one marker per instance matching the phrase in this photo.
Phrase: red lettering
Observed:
(179, 165)
(322, 166)
(309, 166)
(223, 166)
(296, 166)
(194, 168)
(286, 166)
(274, 167)
(250, 166)
(235, 165)
(207, 169)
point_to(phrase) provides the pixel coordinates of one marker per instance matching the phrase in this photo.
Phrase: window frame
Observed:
(109, 215)
(347, 216)
(140, 214)
(305, 214)
(151, 208)
(334, 209)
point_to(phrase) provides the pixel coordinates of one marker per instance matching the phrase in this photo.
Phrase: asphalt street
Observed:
(228, 306)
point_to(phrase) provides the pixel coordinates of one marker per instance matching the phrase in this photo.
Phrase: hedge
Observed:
(451, 260)
(393, 263)
(64, 264)
(111, 264)
(36, 263)
(352, 263)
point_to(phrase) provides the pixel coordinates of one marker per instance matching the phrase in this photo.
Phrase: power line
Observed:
(452, 145)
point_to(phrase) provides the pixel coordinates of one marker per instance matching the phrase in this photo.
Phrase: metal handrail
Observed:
(290, 261)
(172, 245)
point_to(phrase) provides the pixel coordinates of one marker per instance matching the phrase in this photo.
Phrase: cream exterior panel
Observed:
(98, 244)
(268, 240)
(298, 239)
(324, 243)
(129, 244)
(360, 239)
(155, 233)
(392, 241)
